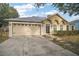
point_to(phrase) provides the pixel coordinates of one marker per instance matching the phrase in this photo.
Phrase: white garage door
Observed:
(26, 29)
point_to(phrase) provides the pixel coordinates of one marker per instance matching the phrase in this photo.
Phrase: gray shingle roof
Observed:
(28, 19)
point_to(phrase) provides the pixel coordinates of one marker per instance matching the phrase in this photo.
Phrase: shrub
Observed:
(62, 33)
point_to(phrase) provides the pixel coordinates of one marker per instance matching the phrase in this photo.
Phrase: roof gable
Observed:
(56, 14)
(56, 19)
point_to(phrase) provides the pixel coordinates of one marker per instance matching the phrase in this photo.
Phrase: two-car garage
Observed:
(23, 29)
(26, 26)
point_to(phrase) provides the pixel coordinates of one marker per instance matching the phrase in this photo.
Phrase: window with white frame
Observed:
(72, 27)
(67, 27)
(61, 27)
(55, 27)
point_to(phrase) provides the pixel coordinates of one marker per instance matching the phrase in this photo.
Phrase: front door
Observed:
(47, 28)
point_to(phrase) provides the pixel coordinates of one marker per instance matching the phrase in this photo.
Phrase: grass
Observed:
(3, 36)
(69, 42)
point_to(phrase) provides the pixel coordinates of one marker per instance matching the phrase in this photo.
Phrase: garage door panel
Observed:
(26, 30)
(36, 30)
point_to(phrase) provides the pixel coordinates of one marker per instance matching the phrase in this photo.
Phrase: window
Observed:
(61, 27)
(47, 28)
(55, 27)
(72, 28)
(67, 28)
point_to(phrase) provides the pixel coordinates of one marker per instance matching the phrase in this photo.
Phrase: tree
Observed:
(70, 8)
(39, 4)
(6, 12)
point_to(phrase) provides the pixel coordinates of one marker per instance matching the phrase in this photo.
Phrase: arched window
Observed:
(72, 28)
(61, 27)
(67, 28)
(55, 27)
(47, 28)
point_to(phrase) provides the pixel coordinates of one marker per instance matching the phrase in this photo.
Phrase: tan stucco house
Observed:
(37, 25)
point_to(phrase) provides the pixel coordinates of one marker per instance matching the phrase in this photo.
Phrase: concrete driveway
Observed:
(32, 46)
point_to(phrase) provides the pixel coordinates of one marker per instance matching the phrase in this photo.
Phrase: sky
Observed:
(29, 10)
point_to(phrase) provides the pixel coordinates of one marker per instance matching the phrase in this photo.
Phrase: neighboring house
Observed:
(37, 25)
(76, 24)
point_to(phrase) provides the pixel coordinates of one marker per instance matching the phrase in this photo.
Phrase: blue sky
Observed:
(29, 10)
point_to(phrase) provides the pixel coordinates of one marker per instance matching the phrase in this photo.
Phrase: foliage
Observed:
(64, 33)
(6, 12)
(70, 8)
(39, 4)
(3, 35)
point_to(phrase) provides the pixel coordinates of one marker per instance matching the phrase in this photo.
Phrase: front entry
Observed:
(47, 28)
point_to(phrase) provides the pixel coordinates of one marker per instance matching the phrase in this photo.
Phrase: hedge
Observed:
(62, 33)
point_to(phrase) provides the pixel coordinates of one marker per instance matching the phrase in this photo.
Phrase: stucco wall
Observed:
(10, 29)
(57, 21)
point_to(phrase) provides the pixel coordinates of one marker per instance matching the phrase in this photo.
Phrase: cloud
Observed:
(23, 8)
(74, 18)
(41, 6)
(51, 12)
(41, 14)
(24, 15)
(23, 11)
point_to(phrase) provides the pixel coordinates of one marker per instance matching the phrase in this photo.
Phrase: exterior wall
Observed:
(72, 28)
(56, 22)
(10, 29)
(64, 27)
(43, 29)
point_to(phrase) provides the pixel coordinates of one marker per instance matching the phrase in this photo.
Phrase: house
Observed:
(37, 25)
(75, 23)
